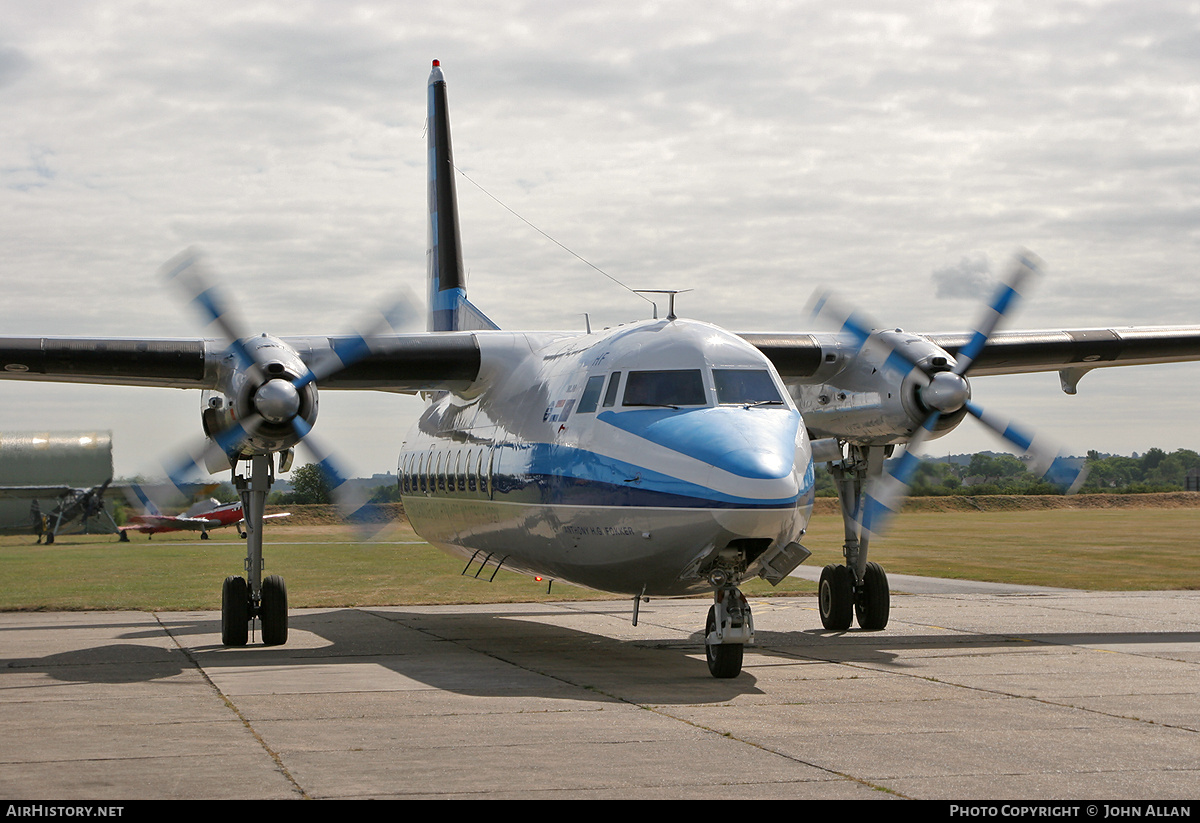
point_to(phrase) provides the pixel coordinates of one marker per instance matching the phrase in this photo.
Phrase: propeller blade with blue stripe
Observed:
(885, 494)
(400, 314)
(188, 272)
(348, 498)
(1007, 295)
(1046, 460)
(858, 329)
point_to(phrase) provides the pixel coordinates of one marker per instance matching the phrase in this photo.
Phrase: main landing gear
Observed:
(728, 629)
(858, 588)
(245, 598)
(841, 598)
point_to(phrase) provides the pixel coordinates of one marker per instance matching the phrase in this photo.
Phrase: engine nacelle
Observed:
(874, 401)
(263, 398)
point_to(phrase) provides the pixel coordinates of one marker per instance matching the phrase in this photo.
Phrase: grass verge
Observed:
(1108, 549)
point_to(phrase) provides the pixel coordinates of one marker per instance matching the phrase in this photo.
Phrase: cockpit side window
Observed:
(678, 387)
(591, 394)
(610, 396)
(743, 386)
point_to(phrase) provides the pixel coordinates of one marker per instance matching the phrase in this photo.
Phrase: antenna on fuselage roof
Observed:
(569, 251)
(670, 299)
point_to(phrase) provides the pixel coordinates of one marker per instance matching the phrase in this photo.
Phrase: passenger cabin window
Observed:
(679, 387)
(745, 386)
(591, 394)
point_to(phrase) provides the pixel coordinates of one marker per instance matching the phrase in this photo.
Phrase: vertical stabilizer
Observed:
(449, 309)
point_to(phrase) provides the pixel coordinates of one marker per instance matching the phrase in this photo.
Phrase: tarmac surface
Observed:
(1045, 695)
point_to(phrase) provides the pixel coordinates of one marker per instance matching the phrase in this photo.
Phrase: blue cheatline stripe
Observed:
(569, 472)
(548, 474)
(556, 490)
(734, 440)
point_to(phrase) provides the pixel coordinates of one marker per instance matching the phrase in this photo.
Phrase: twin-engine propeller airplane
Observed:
(664, 457)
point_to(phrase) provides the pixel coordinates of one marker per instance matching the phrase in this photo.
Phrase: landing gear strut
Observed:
(728, 629)
(857, 588)
(243, 599)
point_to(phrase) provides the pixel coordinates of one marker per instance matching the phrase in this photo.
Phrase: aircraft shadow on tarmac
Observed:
(477, 653)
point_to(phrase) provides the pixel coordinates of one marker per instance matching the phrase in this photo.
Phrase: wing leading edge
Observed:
(402, 363)
(439, 361)
(805, 358)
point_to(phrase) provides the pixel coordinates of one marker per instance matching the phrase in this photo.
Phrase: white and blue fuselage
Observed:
(638, 460)
(662, 457)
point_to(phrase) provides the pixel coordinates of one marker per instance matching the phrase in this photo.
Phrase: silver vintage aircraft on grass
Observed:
(664, 457)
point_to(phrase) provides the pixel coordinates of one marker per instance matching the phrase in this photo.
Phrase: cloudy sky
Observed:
(752, 152)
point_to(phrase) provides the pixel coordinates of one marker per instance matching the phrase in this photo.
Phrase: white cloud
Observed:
(751, 152)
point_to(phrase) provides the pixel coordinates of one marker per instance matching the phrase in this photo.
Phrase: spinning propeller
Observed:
(269, 393)
(946, 392)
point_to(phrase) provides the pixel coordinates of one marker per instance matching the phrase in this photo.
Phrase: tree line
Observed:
(978, 474)
(309, 486)
(992, 473)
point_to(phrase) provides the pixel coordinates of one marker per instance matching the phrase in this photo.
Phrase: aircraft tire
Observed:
(235, 611)
(874, 601)
(274, 611)
(836, 598)
(724, 659)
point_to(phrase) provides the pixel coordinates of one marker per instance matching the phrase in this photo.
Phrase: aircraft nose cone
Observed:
(757, 463)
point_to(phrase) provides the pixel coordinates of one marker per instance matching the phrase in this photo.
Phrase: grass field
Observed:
(1109, 549)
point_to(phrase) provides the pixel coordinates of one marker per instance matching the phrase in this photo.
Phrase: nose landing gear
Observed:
(729, 627)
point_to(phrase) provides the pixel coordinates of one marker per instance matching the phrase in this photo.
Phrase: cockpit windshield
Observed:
(745, 387)
(679, 387)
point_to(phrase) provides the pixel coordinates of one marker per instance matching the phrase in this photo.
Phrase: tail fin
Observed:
(449, 308)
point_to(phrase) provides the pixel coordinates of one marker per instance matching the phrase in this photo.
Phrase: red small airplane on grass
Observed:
(205, 515)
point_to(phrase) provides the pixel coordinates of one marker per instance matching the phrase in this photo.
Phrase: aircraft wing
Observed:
(11, 492)
(437, 361)
(404, 362)
(113, 361)
(162, 521)
(1019, 352)
(799, 357)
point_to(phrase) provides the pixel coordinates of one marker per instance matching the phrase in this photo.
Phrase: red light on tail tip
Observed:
(437, 62)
